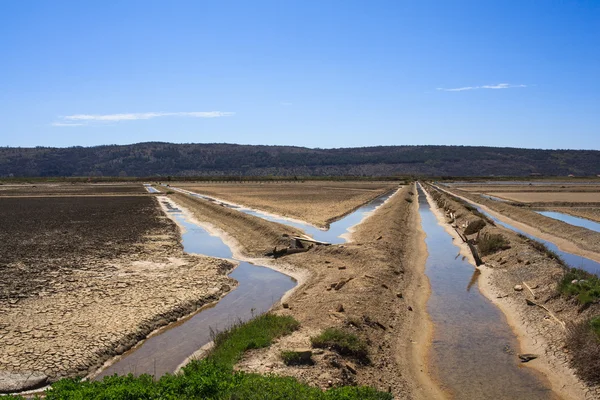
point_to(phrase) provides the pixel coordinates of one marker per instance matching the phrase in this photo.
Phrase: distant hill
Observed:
(163, 159)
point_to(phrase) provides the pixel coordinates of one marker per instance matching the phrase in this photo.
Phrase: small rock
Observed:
(383, 285)
(342, 267)
(285, 305)
(340, 308)
(530, 303)
(527, 357)
(410, 308)
(351, 368)
(518, 288)
(399, 295)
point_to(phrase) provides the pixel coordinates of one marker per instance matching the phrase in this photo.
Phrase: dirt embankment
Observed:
(93, 278)
(538, 332)
(580, 237)
(318, 204)
(369, 286)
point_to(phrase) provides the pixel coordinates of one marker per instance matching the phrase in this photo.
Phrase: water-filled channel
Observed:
(331, 235)
(473, 354)
(258, 289)
(569, 219)
(571, 259)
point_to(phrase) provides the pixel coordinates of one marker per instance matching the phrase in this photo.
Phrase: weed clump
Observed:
(581, 284)
(491, 243)
(293, 357)
(474, 226)
(343, 342)
(583, 342)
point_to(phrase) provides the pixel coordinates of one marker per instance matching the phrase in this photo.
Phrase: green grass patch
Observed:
(491, 243)
(291, 357)
(581, 284)
(213, 377)
(343, 342)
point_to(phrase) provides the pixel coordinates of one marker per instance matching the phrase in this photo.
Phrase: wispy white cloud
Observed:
(495, 86)
(65, 124)
(86, 119)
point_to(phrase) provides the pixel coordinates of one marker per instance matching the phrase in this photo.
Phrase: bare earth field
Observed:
(538, 332)
(86, 278)
(67, 189)
(551, 197)
(373, 286)
(556, 188)
(318, 203)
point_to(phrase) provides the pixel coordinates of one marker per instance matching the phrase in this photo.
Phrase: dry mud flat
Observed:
(68, 189)
(85, 279)
(373, 286)
(318, 203)
(537, 330)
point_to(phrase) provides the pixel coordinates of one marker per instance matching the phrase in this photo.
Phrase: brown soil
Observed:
(89, 278)
(382, 273)
(584, 240)
(538, 332)
(317, 203)
(67, 189)
(553, 197)
(557, 188)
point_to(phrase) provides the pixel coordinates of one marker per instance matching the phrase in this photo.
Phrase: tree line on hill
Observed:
(167, 159)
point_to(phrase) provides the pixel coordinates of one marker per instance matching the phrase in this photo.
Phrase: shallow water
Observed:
(473, 353)
(258, 289)
(151, 189)
(487, 196)
(331, 235)
(571, 220)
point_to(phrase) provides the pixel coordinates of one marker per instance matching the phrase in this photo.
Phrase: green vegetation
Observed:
(291, 357)
(581, 284)
(583, 342)
(213, 377)
(474, 226)
(491, 243)
(342, 342)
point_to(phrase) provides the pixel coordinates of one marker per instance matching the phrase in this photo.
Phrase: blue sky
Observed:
(311, 73)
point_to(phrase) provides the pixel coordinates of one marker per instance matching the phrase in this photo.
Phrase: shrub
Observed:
(292, 357)
(582, 284)
(491, 243)
(474, 226)
(342, 342)
(583, 342)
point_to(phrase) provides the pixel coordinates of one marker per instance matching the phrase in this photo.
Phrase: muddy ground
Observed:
(369, 286)
(536, 328)
(317, 203)
(86, 278)
(68, 189)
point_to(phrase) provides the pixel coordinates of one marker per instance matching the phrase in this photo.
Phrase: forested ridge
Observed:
(167, 159)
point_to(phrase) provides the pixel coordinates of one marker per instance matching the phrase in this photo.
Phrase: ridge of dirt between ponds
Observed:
(536, 331)
(580, 238)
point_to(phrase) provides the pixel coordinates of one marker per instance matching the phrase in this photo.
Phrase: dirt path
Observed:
(536, 331)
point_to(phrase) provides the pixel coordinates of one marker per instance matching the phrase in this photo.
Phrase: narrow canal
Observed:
(473, 353)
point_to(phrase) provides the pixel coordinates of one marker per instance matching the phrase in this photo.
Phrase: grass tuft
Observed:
(581, 284)
(343, 342)
(491, 243)
(583, 342)
(474, 226)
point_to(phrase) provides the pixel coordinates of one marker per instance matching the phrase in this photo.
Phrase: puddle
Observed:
(473, 353)
(258, 289)
(331, 235)
(572, 260)
(150, 189)
(571, 220)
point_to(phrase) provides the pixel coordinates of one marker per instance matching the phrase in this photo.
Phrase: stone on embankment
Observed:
(518, 288)
(19, 381)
